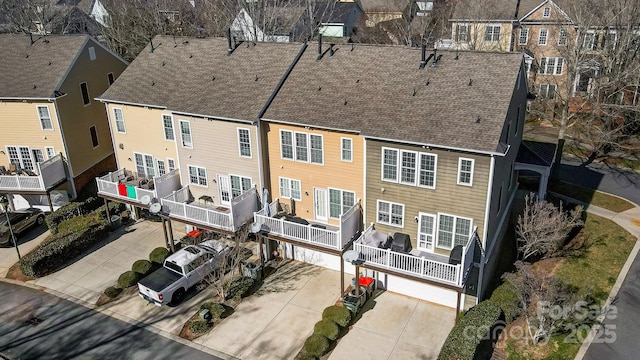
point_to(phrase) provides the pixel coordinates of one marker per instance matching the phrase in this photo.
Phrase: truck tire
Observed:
(177, 297)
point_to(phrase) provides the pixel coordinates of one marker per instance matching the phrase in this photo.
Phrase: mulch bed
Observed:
(104, 299)
(15, 273)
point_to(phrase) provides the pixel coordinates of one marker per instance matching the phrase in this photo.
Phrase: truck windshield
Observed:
(173, 267)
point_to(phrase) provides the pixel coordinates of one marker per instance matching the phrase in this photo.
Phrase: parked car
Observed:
(21, 221)
(183, 270)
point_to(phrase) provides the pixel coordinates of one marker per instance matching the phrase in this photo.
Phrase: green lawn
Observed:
(591, 196)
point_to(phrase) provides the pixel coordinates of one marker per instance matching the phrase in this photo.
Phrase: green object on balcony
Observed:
(131, 191)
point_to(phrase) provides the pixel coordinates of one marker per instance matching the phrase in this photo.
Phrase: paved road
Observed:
(620, 339)
(71, 331)
(621, 182)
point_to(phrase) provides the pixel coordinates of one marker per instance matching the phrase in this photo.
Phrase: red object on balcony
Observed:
(122, 189)
(194, 233)
(366, 281)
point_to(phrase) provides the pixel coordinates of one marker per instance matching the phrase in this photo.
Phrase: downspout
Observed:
(485, 232)
(66, 151)
(262, 168)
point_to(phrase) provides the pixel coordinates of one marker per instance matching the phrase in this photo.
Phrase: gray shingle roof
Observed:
(196, 76)
(34, 71)
(380, 92)
(485, 10)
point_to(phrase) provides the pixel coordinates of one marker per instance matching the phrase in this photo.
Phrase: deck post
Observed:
(51, 203)
(106, 206)
(164, 229)
(341, 276)
(172, 243)
(458, 307)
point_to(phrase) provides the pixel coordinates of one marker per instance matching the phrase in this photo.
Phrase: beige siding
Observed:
(334, 173)
(144, 134)
(78, 118)
(448, 197)
(21, 127)
(476, 36)
(216, 148)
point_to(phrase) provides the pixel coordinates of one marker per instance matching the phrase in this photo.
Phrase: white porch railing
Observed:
(114, 184)
(419, 266)
(50, 172)
(310, 234)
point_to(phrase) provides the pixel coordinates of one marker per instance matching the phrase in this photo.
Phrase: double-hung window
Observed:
(239, 184)
(290, 189)
(492, 33)
(547, 91)
(51, 152)
(172, 164)
(37, 155)
(452, 231)
(562, 37)
(185, 134)
(144, 165)
(244, 142)
(523, 39)
(119, 119)
(390, 164)
(286, 144)
(300, 146)
(543, 36)
(317, 153)
(45, 118)
(197, 175)
(161, 167)
(551, 65)
(462, 33)
(340, 201)
(465, 171)
(590, 40)
(390, 213)
(167, 124)
(546, 12)
(346, 149)
(408, 167)
(427, 176)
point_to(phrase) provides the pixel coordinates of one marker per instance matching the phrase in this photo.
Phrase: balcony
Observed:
(275, 222)
(127, 186)
(180, 205)
(47, 175)
(418, 264)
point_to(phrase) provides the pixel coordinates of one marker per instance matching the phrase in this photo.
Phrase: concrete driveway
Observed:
(26, 242)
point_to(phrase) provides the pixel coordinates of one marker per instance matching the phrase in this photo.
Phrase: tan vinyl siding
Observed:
(334, 173)
(77, 118)
(21, 127)
(448, 197)
(215, 148)
(476, 36)
(144, 134)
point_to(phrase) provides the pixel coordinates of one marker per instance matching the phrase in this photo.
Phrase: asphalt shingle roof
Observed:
(196, 76)
(34, 71)
(380, 92)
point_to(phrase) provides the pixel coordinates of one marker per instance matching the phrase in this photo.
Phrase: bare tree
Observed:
(542, 228)
(33, 16)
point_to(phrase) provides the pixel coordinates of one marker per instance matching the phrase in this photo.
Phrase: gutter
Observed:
(315, 126)
(103, 100)
(491, 153)
(29, 98)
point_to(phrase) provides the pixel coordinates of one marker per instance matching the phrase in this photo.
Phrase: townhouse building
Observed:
(54, 135)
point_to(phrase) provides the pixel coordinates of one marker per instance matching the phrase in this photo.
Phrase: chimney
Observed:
(319, 47)
(230, 49)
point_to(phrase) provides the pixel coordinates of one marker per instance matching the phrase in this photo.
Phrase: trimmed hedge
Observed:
(198, 326)
(338, 314)
(303, 355)
(506, 297)
(316, 345)
(78, 223)
(142, 267)
(158, 255)
(215, 309)
(240, 287)
(474, 335)
(112, 291)
(71, 210)
(128, 278)
(58, 251)
(327, 328)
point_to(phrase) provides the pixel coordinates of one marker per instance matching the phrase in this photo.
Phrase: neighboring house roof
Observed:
(336, 13)
(36, 71)
(380, 92)
(196, 76)
(384, 6)
(536, 153)
(486, 10)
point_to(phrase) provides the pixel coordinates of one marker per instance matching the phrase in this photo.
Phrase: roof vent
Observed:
(470, 82)
(423, 57)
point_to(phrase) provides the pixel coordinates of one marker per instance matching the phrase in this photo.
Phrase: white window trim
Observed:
(546, 12)
(554, 69)
(88, 94)
(415, 167)
(240, 177)
(546, 37)
(46, 151)
(434, 231)
(169, 169)
(144, 164)
(39, 118)
(526, 41)
(493, 26)
(342, 149)
(289, 187)
(240, 144)
(594, 45)
(546, 93)
(295, 146)
(472, 171)
(164, 165)
(382, 164)
(311, 148)
(342, 191)
(115, 121)
(20, 157)
(206, 176)
(565, 37)
(455, 222)
(190, 135)
(97, 138)
(435, 171)
(390, 223)
(173, 130)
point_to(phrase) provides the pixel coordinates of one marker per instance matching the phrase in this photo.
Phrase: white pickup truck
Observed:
(181, 271)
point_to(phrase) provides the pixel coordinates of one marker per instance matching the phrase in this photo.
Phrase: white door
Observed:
(426, 231)
(320, 203)
(225, 189)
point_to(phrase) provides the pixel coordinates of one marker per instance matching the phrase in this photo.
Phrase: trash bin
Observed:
(116, 222)
(252, 270)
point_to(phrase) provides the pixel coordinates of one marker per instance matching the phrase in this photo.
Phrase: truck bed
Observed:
(159, 279)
